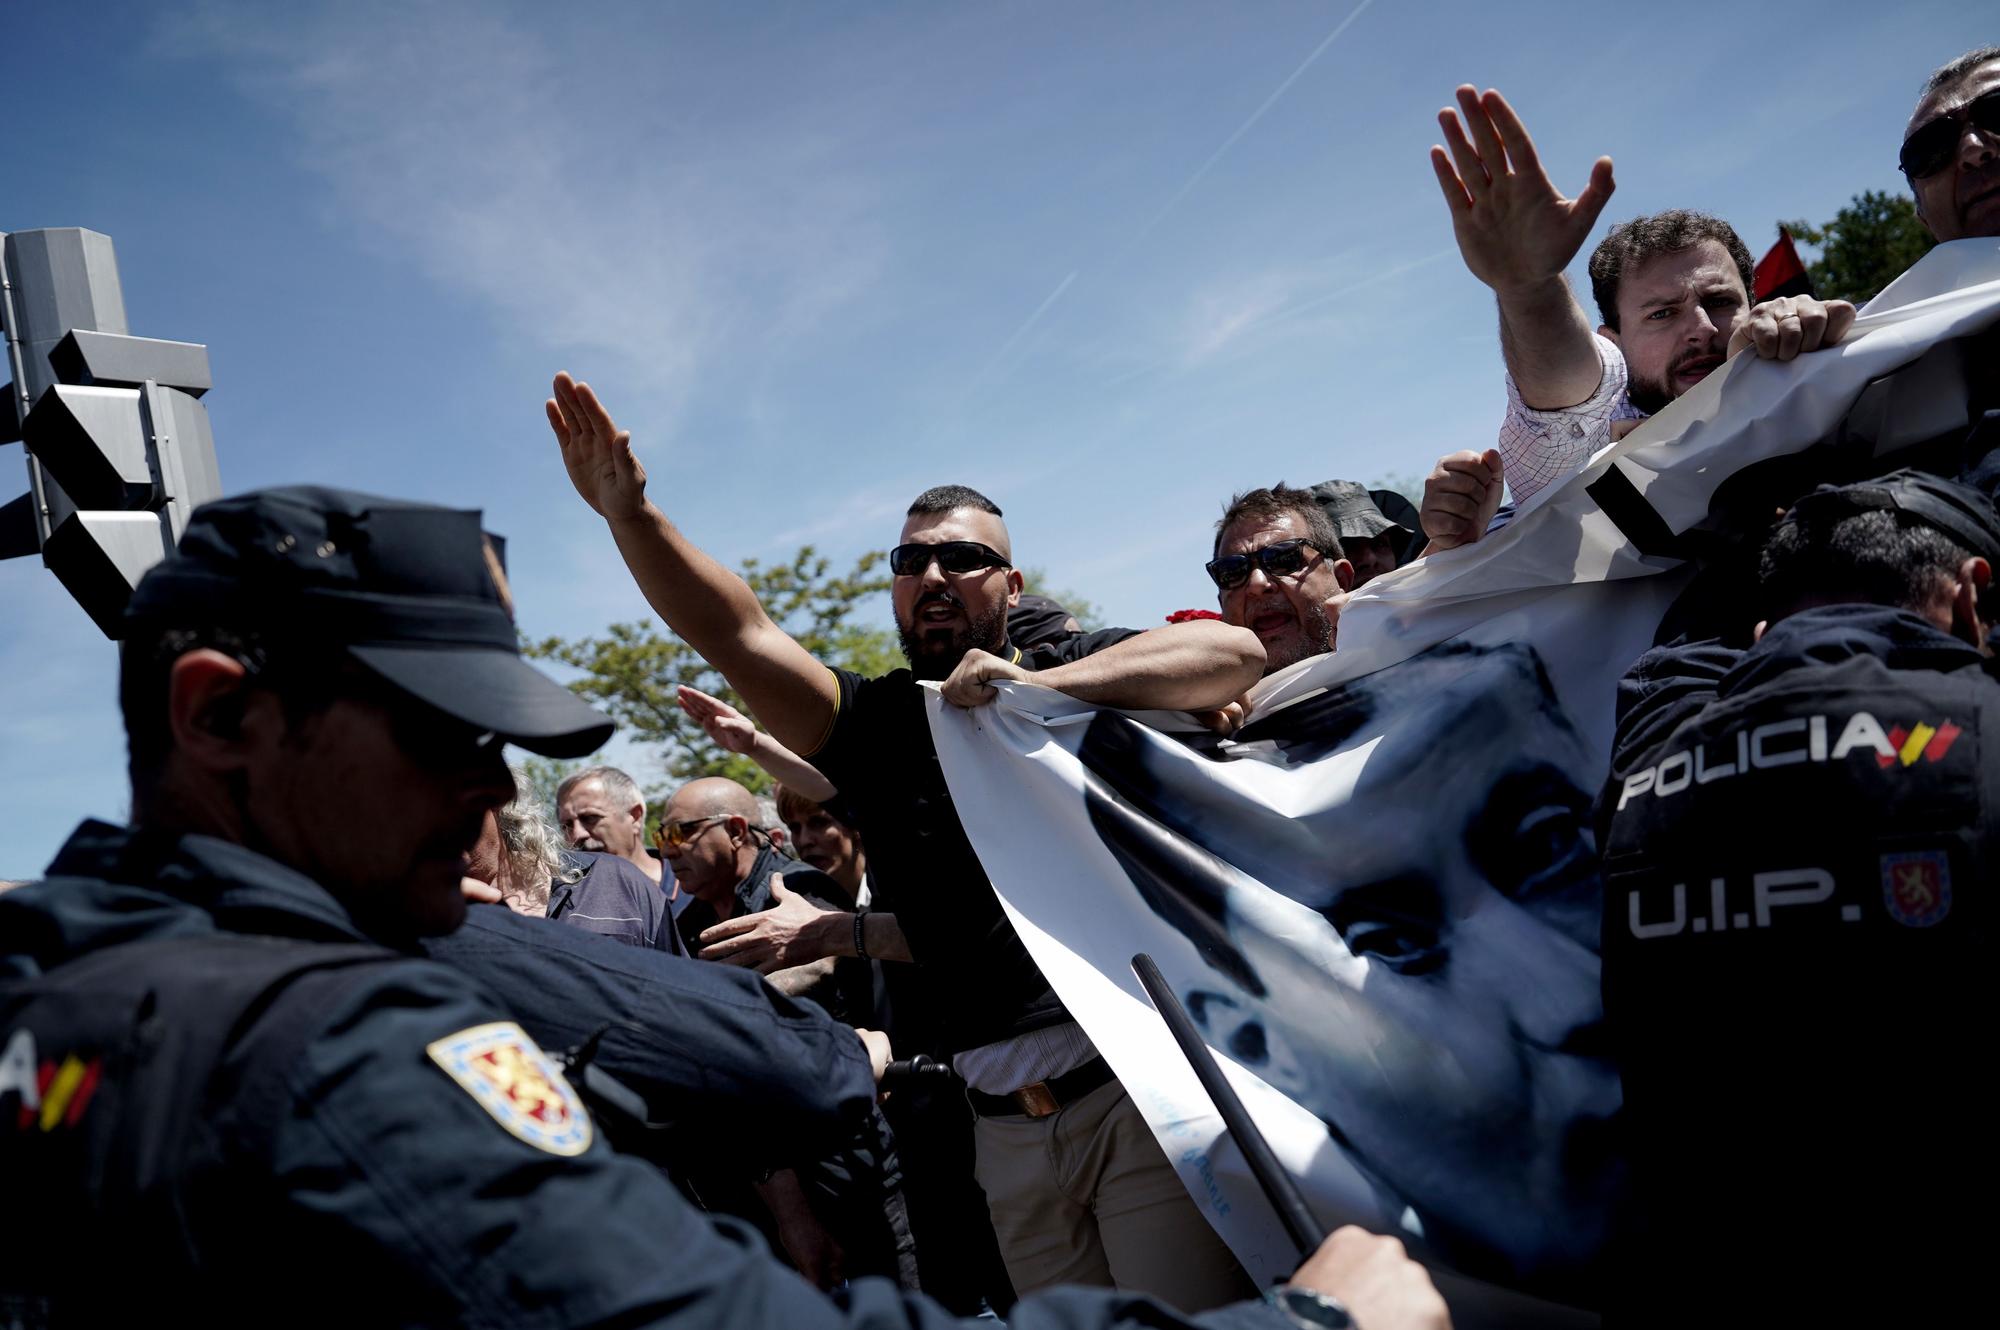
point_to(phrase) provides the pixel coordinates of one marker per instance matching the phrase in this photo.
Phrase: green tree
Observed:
(1088, 613)
(633, 669)
(544, 774)
(1868, 244)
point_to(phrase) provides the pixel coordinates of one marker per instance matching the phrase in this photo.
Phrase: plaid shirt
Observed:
(1538, 448)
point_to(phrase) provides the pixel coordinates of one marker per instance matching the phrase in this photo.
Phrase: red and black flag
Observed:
(1780, 273)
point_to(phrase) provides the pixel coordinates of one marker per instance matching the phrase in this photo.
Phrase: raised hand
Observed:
(725, 725)
(596, 453)
(1461, 495)
(1514, 227)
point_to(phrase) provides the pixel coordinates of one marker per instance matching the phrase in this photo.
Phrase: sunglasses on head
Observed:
(676, 834)
(1280, 559)
(953, 556)
(1930, 148)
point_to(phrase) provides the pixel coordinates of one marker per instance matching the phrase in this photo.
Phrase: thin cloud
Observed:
(1020, 332)
(1222, 326)
(516, 162)
(1187, 187)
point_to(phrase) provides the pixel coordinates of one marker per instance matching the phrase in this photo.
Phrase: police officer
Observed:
(226, 1080)
(1799, 842)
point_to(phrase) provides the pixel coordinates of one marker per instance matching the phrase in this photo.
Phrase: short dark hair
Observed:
(1644, 238)
(1281, 500)
(946, 498)
(307, 682)
(1952, 71)
(1880, 557)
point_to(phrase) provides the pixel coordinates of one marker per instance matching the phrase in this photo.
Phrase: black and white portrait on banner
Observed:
(1437, 837)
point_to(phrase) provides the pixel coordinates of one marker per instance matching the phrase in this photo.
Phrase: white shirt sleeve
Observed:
(1540, 447)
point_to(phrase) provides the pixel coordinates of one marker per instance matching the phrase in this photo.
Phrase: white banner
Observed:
(1380, 899)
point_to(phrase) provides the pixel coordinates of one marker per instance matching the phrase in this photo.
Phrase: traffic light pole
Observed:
(119, 453)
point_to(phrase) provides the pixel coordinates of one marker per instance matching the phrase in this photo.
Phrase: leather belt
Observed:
(1043, 1097)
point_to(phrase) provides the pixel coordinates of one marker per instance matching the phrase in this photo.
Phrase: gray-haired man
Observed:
(602, 810)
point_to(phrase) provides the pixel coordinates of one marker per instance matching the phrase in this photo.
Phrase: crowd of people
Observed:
(332, 1003)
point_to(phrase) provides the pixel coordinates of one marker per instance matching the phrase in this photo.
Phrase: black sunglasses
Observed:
(953, 556)
(1929, 149)
(1280, 559)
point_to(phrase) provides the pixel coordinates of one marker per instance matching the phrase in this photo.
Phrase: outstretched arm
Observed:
(798, 930)
(1201, 665)
(737, 733)
(706, 605)
(1517, 233)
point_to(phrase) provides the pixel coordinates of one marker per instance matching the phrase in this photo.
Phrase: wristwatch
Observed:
(1312, 1309)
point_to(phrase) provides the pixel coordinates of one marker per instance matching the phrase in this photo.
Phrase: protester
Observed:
(1951, 149)
(722, 857)
(521, 862)
(1798, 840)
(340, 1086)
(1279, 570)
(794, 930)
(601, 810)
(1030, 1070)
(1370, 540)
(847, 1219)
(1672, 290)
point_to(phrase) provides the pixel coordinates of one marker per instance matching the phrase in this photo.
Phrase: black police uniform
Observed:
(712, 1049)
(216, 1094)
(1798, 849)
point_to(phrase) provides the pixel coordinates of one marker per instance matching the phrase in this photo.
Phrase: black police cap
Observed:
(1963, 514)
(416, 593)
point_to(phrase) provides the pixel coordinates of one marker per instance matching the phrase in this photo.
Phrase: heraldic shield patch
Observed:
(498, 1065)
(1916, 887)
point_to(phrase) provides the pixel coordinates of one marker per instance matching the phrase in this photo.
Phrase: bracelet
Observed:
(860, 937)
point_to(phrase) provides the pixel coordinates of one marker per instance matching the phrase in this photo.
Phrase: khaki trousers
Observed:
(1086, 1196)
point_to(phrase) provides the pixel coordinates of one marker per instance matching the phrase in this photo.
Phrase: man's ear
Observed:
(1610, 334)
(1014, 584)
(208, 693)
(738, 827)
(1343, 573)
(1973, 576)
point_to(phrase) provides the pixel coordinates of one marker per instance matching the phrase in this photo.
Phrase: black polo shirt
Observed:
(879, 755)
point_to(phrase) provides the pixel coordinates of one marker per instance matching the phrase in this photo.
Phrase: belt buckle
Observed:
(1037, 1100)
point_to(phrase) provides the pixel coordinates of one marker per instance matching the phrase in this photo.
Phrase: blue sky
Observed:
(1107, 262)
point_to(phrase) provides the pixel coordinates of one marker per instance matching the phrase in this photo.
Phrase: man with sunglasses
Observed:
(1106, 1207)
(1280, 572)
(1951, 150)
(709, 834)
(1672, 291)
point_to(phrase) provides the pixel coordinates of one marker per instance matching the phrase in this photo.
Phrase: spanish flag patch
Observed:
(498, 1065)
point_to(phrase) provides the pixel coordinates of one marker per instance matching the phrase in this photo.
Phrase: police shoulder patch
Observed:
(498, 1065)
(1916, 887)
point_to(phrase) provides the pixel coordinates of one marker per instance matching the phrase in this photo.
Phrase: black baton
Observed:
(1283, 1193)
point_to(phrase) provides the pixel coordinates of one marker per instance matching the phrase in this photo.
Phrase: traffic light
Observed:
(118, 441)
